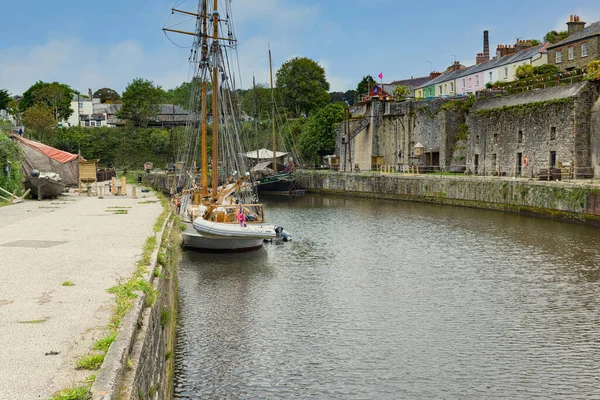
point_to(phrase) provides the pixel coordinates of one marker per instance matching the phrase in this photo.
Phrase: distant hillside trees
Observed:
(4, 99)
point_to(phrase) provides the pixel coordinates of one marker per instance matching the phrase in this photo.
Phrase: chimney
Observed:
(522, 44)
(575, 25)
(90, 93)
(433, 75)
(480, 58)
(455, 66)
(486, 45)
(504, 50)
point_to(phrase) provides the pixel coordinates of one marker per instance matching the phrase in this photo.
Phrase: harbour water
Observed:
(388, 300)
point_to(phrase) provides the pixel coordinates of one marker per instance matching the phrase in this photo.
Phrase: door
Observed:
(476, 164)
(519, 164)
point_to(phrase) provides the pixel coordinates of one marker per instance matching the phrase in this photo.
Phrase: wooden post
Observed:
(113, 188)
(123, 186)
(101, 192)
(133, 192)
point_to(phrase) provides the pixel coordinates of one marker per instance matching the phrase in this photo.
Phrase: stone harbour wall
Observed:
(574, 201)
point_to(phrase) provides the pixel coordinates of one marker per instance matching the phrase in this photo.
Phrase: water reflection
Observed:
(378, 299)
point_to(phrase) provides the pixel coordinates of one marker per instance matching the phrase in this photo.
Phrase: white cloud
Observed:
(84, 66)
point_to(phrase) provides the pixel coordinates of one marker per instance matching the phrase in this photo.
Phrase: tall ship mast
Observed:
(226, 214)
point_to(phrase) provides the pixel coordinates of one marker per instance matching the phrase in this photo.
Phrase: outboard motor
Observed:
(281, 234)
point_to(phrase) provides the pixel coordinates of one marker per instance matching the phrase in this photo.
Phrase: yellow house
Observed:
(533, 56)
(419, 94)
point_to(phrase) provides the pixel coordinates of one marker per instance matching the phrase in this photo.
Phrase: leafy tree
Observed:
(39, 122)
(256, 101)
(350, 97)
(535, 42)
(365, 84)
(336, 97)
(303, 85)
(555, 37)
(13, 110)
(141, 100)
(10, 156)
(180, 95)
(524, 71)
(6, 126)
(401, 92)
(4, 99)
(545, 69)
(107, 95)
(55, 96)
(318, 134)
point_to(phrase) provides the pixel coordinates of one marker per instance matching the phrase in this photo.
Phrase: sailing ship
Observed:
(271, 176)
(226, 215)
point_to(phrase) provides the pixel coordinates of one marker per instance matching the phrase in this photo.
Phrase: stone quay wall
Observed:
(574, 201)
(139, 364)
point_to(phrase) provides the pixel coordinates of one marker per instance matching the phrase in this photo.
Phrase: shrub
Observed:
(593, 70)
(11, 178)
(545, 69)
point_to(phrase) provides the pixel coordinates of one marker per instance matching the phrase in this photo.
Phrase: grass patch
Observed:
(165, 317)
(161, 219)
(68, 283)
(48, 207)
(129, 364)
(90, 361)
(119, 207)
(104, 343)
(73, 393)
(33, 321)
(117, 211)
(148, 202)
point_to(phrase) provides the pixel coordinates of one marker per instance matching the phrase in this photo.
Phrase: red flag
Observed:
(380, 75)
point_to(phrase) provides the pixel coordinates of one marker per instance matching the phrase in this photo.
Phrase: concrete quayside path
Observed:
(45, 325)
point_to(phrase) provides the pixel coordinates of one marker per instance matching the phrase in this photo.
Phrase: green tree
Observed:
(4, 99)
(365, 84)
(545, 69)
(350, 97)
(555, 37)
(303, 85)
(55, 96)
(256, 101)
(10, 157)
(39, 122)
(107, 95)
(141, 100)
(401, 92)
(318, 134)
(12, 108)
(535, 42)
(336, 97)
(524, 71)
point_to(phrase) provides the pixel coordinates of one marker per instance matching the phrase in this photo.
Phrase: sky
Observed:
(91, 45)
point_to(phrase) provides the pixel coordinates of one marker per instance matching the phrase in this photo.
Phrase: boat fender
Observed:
(286, 236)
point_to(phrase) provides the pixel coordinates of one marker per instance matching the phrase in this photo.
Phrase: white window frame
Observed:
(506, 72)
(558, 56)
(584, 49)
(571, 52)
(477, 80)
(451, 86)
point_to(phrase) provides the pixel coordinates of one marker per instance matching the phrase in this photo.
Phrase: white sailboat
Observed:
(226, 215)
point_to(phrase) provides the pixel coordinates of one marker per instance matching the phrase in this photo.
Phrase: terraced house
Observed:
(579, 48)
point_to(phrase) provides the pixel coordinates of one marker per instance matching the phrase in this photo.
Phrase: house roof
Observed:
(588, 32)
(412, 82)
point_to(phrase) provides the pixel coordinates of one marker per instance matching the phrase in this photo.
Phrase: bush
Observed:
(524, 71)
(593, 70)
(545, 69)
(11, 178)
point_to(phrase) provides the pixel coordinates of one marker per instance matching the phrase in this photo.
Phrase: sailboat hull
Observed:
(193, 239)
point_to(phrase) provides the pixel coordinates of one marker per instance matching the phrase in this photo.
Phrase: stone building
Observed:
(517, 135)
(580, 48)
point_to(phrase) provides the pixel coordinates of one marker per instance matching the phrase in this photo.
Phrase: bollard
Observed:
(100, 192)
(113, 187)
(133, 192)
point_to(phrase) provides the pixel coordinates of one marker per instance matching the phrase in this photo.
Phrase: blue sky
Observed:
(109, 43)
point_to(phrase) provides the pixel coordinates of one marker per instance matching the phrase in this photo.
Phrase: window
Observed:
(495, 138)
(477, 80)
(445, 88)
(464, 83)
(469, 81)
(571, 53)
(93, 123)
(452, 86)
(553, 133)
(491, 77)
(505, 72)
(558, 56)
(520, 137)
(584, 50)
(87, 123)
(440, 90)
(80, 105)
(476, 139)
(493, 161)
